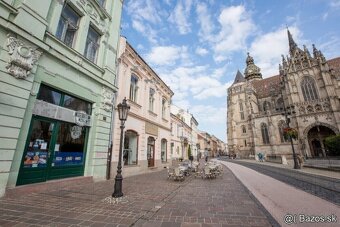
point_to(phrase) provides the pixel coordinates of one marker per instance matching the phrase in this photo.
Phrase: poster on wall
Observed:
(68, 158)
(34, 159)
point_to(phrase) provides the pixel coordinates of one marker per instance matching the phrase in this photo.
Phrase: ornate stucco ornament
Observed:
(108, 99)
(94, 15)
(22, 58)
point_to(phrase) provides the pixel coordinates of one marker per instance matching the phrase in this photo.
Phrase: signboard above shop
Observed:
(45, 109)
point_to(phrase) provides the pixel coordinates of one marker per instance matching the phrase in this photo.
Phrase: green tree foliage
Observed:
(333, 144)
(189, 151)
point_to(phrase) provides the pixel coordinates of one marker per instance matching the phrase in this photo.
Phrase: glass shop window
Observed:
(77, 104)
(49, 95)
(70, 144)
(58, 98)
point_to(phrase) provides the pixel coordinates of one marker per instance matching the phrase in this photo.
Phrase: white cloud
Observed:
(237, 26)
(201, 51)
(146, 30)
(268, 48)
(167, 55)
(144, 10)
(205, 21)
(180, 16)
(325, 16)
(335, 3)
(209, 114)
(331, 47)
(212, 89)
(219, 72)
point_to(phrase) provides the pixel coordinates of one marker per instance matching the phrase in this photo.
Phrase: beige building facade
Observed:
(305, 94)
(189, 126)
(147, 132)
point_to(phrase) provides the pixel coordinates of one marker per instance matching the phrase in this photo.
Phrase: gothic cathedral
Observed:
(304, 96)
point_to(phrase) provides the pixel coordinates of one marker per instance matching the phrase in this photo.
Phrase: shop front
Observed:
(57, 138)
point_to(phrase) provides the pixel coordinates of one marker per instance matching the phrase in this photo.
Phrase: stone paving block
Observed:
(150, 200)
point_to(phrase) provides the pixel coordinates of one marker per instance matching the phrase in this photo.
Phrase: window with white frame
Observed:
(308, 89)
(67, 26)
(92, 45)
(151, 99)
(134, 88)
(163, 107)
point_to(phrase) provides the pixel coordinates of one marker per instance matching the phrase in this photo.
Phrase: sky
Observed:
(197, 46)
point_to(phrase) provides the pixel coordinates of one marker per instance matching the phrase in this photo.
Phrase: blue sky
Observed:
(197, 46)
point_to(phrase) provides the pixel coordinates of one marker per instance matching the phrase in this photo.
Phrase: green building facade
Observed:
(57, 88)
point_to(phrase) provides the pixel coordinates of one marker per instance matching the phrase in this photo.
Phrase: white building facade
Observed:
(147, 132)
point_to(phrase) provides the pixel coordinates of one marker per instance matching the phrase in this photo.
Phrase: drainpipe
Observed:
(109, 149)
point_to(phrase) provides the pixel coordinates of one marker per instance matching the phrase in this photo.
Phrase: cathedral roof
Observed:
(263, 86)
(239, 77)
(335, 65)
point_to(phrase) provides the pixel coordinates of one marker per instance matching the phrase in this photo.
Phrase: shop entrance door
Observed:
(151, 152)
(53, 150)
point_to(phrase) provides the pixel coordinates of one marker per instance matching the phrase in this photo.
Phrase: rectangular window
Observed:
(77, 104)
(151, 99)
(49, 95)
(69, 148)
(241, 106)
(52, 96)
(67, 26)
(133, 88)
(92, 45)
(242, 116)
(163, 107)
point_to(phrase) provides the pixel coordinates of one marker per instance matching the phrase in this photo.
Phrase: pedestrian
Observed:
(260, 157)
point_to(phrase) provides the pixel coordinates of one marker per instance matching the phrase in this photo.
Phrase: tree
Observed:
(189, 153)
(333, 144)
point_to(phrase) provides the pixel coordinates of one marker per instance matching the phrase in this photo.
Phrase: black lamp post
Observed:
(123, 110)
(291, 111)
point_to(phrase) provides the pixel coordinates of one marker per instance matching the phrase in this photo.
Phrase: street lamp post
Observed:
(291, 111)
(123, 110)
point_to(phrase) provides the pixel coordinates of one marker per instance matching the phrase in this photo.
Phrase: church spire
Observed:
(292, 44)
(239, 77)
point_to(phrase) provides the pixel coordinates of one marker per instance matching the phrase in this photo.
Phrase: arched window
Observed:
(244, 130)
(134, 88)
(308, 89)
(163, 150)
(281, 126)
(264, 131)
(130, 151)
(266, 106)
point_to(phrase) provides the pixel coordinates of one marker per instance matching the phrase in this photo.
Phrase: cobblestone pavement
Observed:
(324, 187)
(149, 200)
